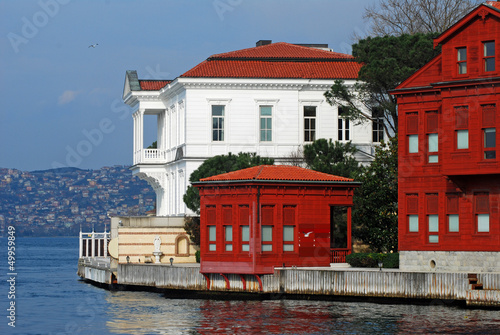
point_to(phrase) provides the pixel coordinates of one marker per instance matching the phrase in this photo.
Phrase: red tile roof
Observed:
(153, 85)
(278, 60)
(277, 172)
(281, 50)
(263, 69)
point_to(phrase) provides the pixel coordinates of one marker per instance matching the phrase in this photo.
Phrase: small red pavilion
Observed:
(268, 216)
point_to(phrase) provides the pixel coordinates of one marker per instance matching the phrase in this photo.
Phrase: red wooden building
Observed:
(449, 162)
(256, 219)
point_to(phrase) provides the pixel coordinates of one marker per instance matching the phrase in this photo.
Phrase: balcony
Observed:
(145, 156)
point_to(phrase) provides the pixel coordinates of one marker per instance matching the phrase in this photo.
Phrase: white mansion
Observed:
(267, 99)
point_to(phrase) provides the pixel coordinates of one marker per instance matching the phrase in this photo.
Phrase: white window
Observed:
(288, 238)
(211, 238)
(463, 139)
(218, 123)
(453, 223)
(267, 238)
(309, 123)
(462, 60)
(228, 235)
(413, 144)
(433, 147)
(489, 56)
(413, 223)
(433, 223)
(245, 238)
(266, 123)
(483, 223)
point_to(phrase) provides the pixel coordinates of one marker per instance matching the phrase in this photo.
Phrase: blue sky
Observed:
(61, 100)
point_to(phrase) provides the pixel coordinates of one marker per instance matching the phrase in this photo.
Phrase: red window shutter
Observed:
(289, 215)
(432, 122)
(482, 203)
(244, 215)
(412, 123)
(211, 216)
(227, 215)
(412, 203)
(462, 117)
(432, 203)
(489, 115)
(267, 215)
(452, 204)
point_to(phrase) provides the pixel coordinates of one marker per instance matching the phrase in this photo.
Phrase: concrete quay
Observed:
(475, 290)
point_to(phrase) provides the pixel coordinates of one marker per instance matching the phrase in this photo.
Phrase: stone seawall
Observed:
(319, 282)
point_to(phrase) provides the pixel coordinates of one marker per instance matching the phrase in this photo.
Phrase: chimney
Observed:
(263, 42)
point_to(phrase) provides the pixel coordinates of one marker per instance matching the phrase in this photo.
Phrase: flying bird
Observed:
(93, 45)
(307, 234)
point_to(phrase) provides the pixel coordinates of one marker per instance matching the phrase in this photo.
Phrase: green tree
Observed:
(375, 214)
(335, 158)
(211, 167)
(387, 61)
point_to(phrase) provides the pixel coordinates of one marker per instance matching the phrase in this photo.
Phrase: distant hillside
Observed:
(57, 202)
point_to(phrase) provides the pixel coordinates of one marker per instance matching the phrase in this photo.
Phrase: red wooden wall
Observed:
(305, 207)
(457, 179)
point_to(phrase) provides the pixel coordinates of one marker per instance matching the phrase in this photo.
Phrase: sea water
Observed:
(50, 299)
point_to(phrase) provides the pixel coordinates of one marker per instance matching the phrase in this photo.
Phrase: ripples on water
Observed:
(51, 300)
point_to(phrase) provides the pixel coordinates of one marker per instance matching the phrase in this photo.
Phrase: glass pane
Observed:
(462, 68)
(413, 220)
(490, 154)
(462, 139)
(433, 223)
(433, 239)
(217, 110)
(269, 123)
(288, 233)
(489, 64)
(262, 123)
(313, 135)
(266, 110)
(309, 110)
(262, 135)
(313, 124)
(288, 247)
(221, 135)
(433, 142)
(341, 124)
(489, 49)
(433, 159)
(211, 247)
(267, 233)
(413, 143)
(483, 223)
(267, 247)
(229, 233)
(245, 247)
(245, 233)
(211, 233)
(462, 54)
(229, 247)
(306, 124)
(340, 135)
(268, 135)
(453, 223)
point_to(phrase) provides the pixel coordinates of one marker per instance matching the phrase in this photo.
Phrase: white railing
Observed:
(149, 156)
(94, 244)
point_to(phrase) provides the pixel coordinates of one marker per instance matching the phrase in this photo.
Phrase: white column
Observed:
(81, 245)
(140, 137)
(93, 244)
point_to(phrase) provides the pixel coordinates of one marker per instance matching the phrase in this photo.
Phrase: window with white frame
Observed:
(377, 125)
(309, 123)
(462, 60)
(266, 123)
(218, 122)
(343, 126)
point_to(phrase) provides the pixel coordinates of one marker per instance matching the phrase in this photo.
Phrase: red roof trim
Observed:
(276, 173)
